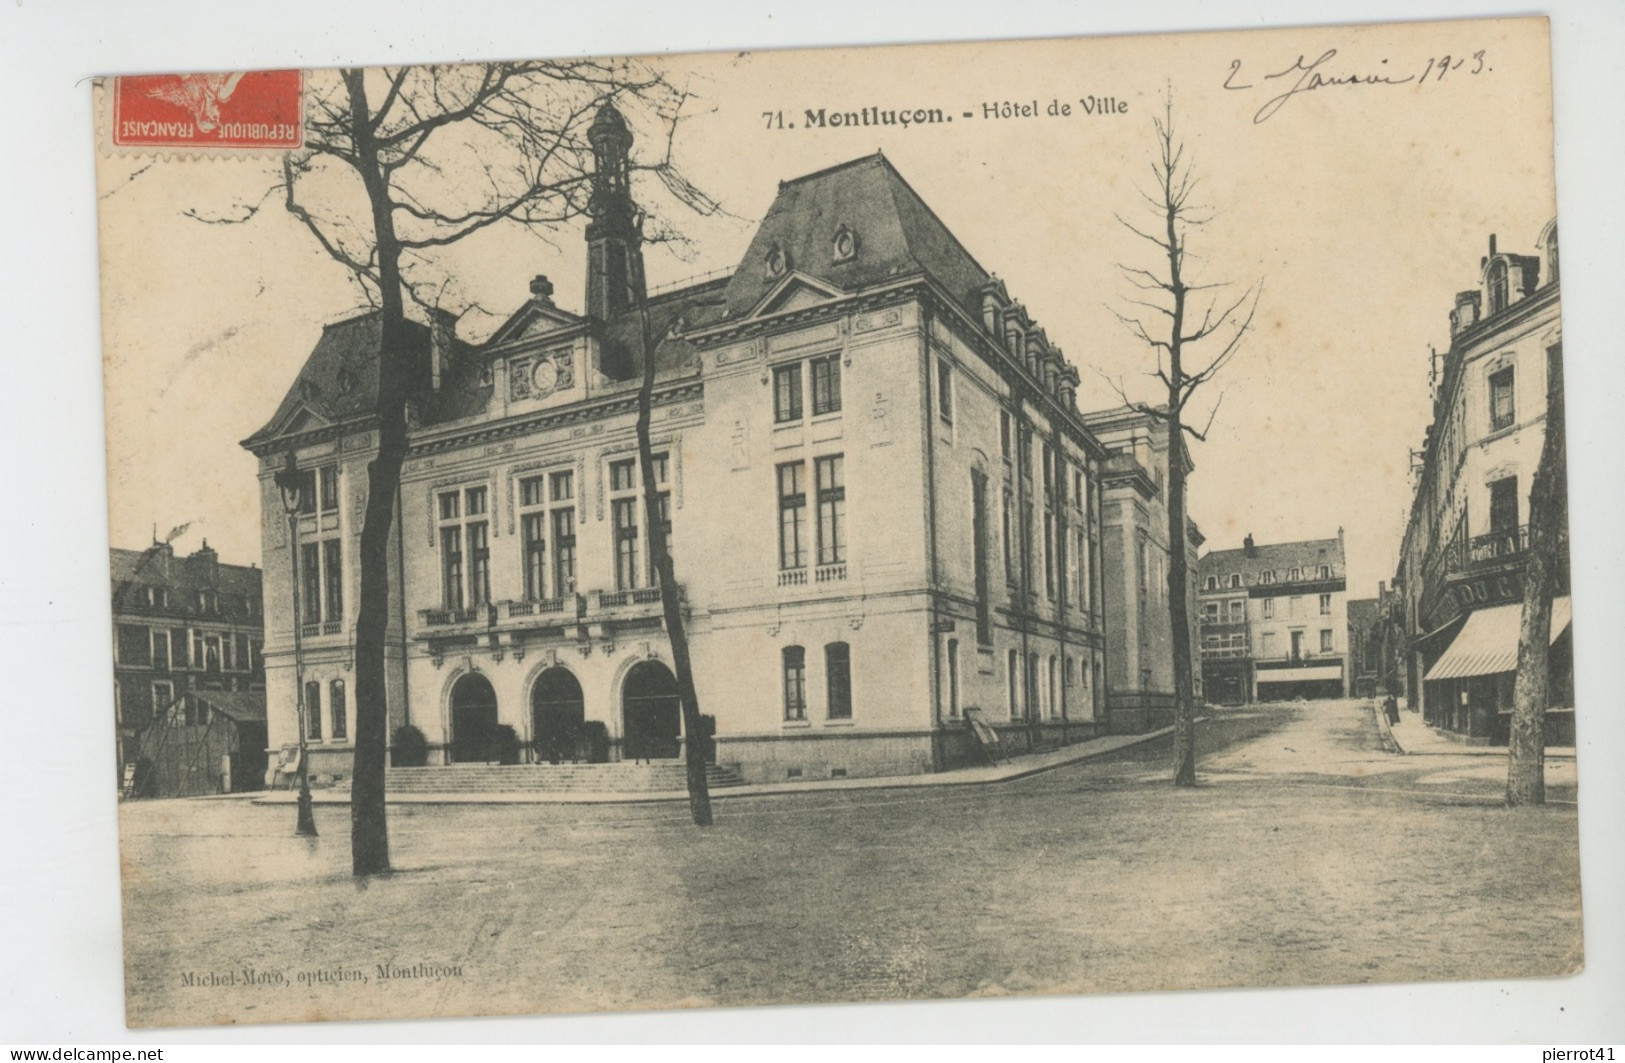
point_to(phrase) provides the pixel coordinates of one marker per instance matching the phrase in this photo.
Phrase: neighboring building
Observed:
(1363, 658)
(1134, 542)
(882, 502)
(1275, 621)
(188, 676)
(1461, 561)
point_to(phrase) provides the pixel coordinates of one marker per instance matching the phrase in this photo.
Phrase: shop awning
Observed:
(1488, 642)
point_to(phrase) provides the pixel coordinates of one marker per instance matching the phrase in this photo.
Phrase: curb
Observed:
(883, 782)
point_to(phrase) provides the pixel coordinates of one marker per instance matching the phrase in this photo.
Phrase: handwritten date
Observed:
(1305, 75)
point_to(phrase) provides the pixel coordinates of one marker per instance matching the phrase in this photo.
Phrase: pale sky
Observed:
(1361, 209)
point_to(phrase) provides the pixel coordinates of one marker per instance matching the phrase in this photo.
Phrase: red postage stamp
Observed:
(260, 109)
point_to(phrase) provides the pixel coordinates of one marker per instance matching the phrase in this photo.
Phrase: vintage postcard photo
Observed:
(913, 522)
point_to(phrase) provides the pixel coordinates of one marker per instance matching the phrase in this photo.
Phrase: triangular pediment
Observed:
(535, 319)
(301, 419)
(795, 292)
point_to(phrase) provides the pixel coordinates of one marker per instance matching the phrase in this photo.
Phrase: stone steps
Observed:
(614, 777)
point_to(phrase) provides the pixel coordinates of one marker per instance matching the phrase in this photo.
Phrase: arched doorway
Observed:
(557, 712)
(651, 713)
(473, 720)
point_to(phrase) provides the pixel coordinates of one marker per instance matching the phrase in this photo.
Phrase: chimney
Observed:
(1247, 547)
(442, 342)
(541, 289)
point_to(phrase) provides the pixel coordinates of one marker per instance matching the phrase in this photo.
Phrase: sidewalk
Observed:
(1412, 736)
(1014, 768)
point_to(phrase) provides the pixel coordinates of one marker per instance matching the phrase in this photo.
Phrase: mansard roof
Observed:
(1306, 555)
(894, 231)
(157, 566)
(339, 380)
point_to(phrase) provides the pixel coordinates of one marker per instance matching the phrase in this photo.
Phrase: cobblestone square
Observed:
(1308, 856)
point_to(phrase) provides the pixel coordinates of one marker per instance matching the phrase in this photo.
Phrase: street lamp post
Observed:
(288, 482)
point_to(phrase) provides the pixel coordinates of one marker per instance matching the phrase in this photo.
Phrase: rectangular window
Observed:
(953, 678)
(162, 695)
(1266, 644)
(787, 393)
(626, 543)
(1269, 608)
(984, 592)
(1325, 605)
(1008, 517)
(1049, 554)
(622, 475)
(1325, 640)
(1502, 405)
(795, 683)
(533, 536)
(826, 384)
(1325, 572)
(451, 565)
(562, 486)
(160, 651)
(1210, 612)
(134, 646)
(564, 551)
(339, 710)
(329, 476)
(831, 510)
(307, 493)
(1237, 610)
(1504, 505)
(313, 710)
(479, 561)
(476, 502)
(1004, 434)
(333, 575)
(792, 516)
(310, 573)
(838, 678)
(450, 506)
(945, 390)
(530, 491)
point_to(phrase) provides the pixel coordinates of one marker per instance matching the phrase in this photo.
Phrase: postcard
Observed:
(936, 521)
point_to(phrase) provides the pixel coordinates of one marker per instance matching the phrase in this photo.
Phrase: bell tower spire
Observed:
(615, 234)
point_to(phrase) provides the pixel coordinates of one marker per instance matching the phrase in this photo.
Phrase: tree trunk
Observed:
(369, 828)
(694, 740)
(1548, 500)
(1179, 612)
(1178, 601)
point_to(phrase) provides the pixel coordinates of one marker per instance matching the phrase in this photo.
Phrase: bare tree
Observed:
(1175, 301)
(401, 163)
(1548, 530)
(696, 740)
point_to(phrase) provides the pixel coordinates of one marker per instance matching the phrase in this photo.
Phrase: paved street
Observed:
(1308, 855)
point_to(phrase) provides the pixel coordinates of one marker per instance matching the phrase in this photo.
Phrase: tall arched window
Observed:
(1054, 701)
(338, 709)
(1013, 669)
(794, 660)
(838, 679)
(313, 711)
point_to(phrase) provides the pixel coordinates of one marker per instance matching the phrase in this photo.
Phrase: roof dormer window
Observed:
(778, 262)
(846, 245)
(1497, 285)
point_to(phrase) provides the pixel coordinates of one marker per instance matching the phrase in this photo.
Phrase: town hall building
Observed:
(882, 502)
